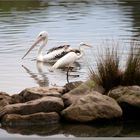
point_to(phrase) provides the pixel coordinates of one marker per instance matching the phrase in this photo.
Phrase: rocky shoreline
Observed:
(80, 102)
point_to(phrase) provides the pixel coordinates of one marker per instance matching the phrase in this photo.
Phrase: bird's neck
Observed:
(40, 54)
(81, 52)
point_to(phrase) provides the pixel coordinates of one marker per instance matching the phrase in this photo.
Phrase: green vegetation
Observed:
(109, 74)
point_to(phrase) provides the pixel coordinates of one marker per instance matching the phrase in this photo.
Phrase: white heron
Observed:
(69, 58)
(53, 54)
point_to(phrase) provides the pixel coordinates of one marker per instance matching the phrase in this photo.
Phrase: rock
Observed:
(44, 104)
(16, 98)
(91, 107)
(129, 99)
(82, 90)
(59, 89)
(33, 93)
(5, 99)
(40, 118)
(70, 86)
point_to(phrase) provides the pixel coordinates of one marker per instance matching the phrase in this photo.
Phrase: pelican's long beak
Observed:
(35, 43)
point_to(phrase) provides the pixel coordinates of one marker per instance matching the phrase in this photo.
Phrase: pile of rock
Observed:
(37, 105)
(78, 101)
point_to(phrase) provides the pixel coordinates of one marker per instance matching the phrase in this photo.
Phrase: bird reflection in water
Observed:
(40, 78)
(69, 70)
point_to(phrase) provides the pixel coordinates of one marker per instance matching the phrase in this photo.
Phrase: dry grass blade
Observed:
(131, 74)
(108, 73)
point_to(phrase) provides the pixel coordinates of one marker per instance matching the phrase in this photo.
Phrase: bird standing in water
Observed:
(62, 55)
(71, 56)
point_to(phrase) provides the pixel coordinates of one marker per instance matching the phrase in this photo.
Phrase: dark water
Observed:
(119, 129)
(67, 22)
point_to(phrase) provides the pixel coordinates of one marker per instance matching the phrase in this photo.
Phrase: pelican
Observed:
(53, 54)
(69, 58)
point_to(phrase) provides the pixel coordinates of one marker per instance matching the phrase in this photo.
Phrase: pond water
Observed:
(111, 129)
(67, 22)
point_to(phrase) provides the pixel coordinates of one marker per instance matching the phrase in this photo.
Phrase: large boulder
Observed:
(33, 93)
(5, 99)
(78, 92)
(40, 118)
(44, 104)
(91, 107)
(129, 99)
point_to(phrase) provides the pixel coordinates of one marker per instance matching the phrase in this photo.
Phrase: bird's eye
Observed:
(40, 35)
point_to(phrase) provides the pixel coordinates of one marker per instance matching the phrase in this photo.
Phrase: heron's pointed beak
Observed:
(35, 43)
(88, 45)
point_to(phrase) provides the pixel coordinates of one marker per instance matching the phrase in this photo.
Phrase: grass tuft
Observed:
(108, 73)
(131, 75)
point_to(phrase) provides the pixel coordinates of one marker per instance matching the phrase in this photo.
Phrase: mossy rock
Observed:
(78, 92)
(91, 107)
(70, 86)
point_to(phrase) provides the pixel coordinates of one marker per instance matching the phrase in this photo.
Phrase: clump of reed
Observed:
(109, 74)
(131, 74)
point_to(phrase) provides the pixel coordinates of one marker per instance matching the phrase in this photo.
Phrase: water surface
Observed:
(108, 129)
(67, 22)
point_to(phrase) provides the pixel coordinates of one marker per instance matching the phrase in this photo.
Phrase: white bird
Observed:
(63, 55)
(53, 54)
(70, 57)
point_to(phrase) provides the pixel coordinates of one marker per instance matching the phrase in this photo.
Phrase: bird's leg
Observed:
(71, 68)
(68, 69)
(68, 74)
